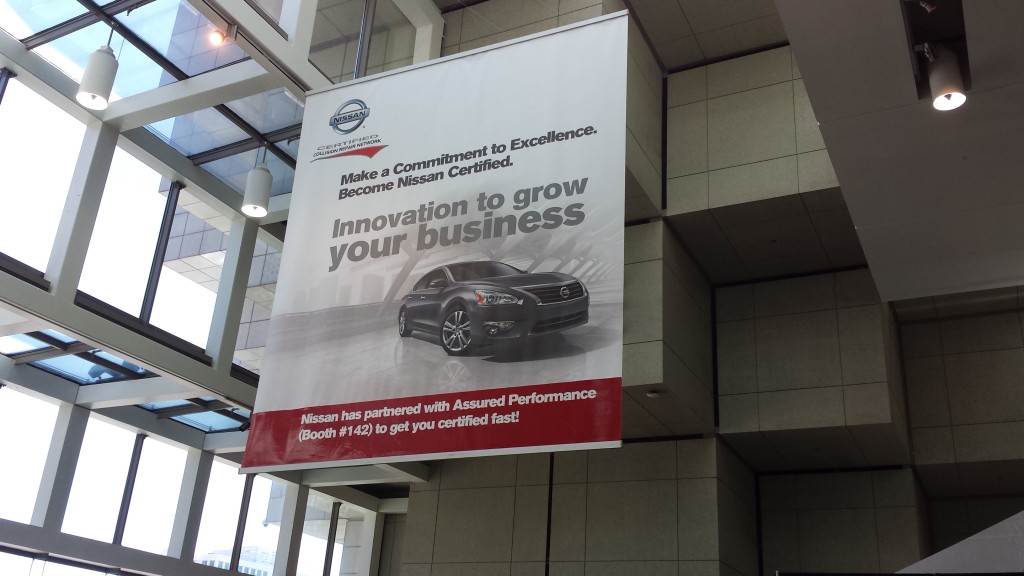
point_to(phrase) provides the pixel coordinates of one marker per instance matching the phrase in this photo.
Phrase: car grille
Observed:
(555, 324)
(552, 294)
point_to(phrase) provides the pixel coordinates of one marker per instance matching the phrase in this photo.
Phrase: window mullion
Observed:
(332, 534)
(129, 487)
(160, 251)
(243, 514)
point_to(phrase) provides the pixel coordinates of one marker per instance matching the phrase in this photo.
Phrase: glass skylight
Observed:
(233, 170)
(182, 35)
(268, 111)
(136, 73)
(23, 18)
(198, 131)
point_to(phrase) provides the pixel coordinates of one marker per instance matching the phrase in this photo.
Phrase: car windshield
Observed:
(476, 270)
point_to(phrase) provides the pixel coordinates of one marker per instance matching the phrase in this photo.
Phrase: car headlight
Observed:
(490, 297)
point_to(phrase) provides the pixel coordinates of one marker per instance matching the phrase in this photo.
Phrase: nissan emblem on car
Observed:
(471, 304)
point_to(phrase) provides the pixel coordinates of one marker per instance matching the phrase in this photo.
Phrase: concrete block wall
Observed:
(854, 522)
(684, 507)
(500, 20)
(956, 519)
(965, 385)
(808, 373)
(742, 130)
(666, 338)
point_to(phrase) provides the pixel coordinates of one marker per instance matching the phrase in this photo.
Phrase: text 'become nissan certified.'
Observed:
(470, 304)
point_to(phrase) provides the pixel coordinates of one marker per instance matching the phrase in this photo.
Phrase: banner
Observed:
(451, 280)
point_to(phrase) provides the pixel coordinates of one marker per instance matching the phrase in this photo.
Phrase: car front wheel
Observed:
(455, 334)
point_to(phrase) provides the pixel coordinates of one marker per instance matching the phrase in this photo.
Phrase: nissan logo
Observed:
(349, 116)
(564, 292)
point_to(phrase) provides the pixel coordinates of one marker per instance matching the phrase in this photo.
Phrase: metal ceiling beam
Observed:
(79, 22)
(132, 392)
(48, 353)
(121, 341)
(281, 135)
(207, 90)
(288, 61)
(197, 406)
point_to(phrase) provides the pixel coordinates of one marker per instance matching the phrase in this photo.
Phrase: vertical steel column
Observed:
(332, 534)
(365, 32)
(5, 75)
(159, 253)
(243, 514)
(129, 487)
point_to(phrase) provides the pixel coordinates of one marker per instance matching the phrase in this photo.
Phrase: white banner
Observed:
(454, 246)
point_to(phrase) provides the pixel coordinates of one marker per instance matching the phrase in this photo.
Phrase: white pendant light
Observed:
(945, 81)
(98, 78)
(257, 189)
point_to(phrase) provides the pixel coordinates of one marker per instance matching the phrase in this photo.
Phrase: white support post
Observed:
(361, 552)
(59, 469)
(297, 17)
(189, 513)
(293, 516)
(426, 17)
(227, 311)
(64, 270)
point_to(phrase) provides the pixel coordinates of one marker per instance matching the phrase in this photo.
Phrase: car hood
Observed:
(520, 280)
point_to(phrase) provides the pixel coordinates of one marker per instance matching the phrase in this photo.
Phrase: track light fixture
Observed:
(927, 6)
(217, 37)
(98, 78)
(257, 188)
(944, 78)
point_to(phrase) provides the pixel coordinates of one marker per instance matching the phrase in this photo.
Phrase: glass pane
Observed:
(190, 277)
(290, 146)
(233, 170)
(272, 9)
(121, 251)
(31, 421)
(99, 481)
(154, 499)
(269, 111)
(20, 343)
(59, 336)
(164, 404)
(124, 363)
(13, 565)
(198, 131)
(182, 35)
(78, 369)
(23, 18)
(336, 38)
(28, 222)
(209, 421)
(220, 516)
(259, 542)
(392, 41)
(259, 301)
(136, 73)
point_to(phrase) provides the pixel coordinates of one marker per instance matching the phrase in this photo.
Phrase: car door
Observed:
(424, 298)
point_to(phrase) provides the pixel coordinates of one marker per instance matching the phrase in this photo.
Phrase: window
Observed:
(98, 486)
(154, 501)
(220, 514)
(124, 239)
(187, 292)
(31, 201)
(29, 451)
(259, 542)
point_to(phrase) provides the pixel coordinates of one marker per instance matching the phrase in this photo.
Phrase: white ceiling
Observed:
(937, 198)
(688, 32)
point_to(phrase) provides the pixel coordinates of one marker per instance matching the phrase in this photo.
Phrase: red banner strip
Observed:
(584, 411)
